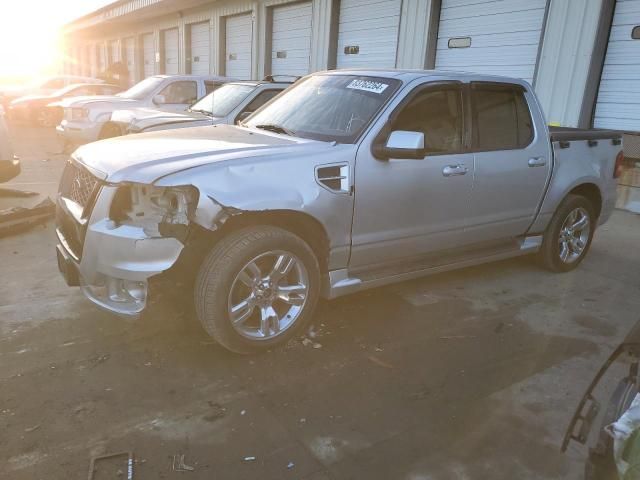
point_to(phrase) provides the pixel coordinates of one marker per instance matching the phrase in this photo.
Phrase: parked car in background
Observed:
(349, 180)
(228, 104)
(9, 163)
(44, 109)
(42, 87)
(86, 119)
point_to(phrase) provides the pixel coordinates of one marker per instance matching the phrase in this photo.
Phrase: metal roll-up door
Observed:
(171, 51)
(199, 48)
(130, 58)
(114, 50)
(148, 54)
(291, 39)
(101, 58)
(238, 41)
(618, 102)
(491, 37)
(368, 33)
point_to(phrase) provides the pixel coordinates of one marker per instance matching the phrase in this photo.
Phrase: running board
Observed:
(339, 282)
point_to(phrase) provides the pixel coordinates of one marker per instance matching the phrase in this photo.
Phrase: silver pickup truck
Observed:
(349, 180)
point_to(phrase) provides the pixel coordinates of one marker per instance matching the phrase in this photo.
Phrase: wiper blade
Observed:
(276, 129)
(204, 112)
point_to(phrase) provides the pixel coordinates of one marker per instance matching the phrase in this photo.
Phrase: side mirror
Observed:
(402, 144)
(159, 100)
(242, 117)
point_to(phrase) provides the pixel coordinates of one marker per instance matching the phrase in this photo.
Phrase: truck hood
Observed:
(87, 100)
(147, 117)
(146, 157)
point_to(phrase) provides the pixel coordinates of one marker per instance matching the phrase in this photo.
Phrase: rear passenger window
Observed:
(501, 119)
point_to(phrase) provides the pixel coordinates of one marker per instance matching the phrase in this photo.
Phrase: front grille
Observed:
(77, 184)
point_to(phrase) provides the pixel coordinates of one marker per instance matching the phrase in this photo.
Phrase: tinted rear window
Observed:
(501, 118)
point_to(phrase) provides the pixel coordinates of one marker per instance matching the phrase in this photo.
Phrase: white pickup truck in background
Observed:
(229, 104)
(86, 119)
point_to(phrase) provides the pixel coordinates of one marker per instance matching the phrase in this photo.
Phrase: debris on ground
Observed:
(308, 342)
(217, 412)
(17, 219)
(249, 459)
(290, 465)
(12, 192)
(456, 337)
(32, 429)
(109, 456)
(96, 360)
(178, 464)
(377, 361)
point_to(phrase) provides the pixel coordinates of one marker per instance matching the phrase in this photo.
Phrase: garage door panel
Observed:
(505, 36)
(497, 40)
(618, 101)
(373, 28)
(490, 8)
(171, 51)
(148, 54)
(291, 39)
(238, 43)
(512, 22)
(199, 48)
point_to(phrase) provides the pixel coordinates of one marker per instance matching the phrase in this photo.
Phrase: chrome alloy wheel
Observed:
(574, 235)
(268, 295)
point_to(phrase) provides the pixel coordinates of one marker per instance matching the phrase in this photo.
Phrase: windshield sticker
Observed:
(368, 86)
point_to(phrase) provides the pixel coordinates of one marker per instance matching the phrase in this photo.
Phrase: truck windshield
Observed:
(142, 89)
(327, 107)
(223, 100)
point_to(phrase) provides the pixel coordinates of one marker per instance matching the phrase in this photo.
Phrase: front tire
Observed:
(257, 289)
(568, 236)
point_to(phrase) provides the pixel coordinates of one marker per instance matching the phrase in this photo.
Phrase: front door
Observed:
(512, 161)
(408, 208)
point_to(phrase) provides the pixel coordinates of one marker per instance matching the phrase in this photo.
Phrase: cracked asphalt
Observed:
(464, 375)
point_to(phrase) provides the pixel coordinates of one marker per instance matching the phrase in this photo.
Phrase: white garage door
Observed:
(114, 49)
(492, 37)
(200, 48)
(148, 54)
(101, 58)
(130, 58)
(239, 37)
(291, 39)
(171, 51)
(618, 104)
(368, 33)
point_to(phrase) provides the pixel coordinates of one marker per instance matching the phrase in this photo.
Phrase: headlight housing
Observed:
(159, 211)
(79, 113)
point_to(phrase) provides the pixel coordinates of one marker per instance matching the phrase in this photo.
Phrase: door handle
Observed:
(537, 162)
(453, 170)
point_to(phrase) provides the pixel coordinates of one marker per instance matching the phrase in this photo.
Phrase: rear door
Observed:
(512, 160)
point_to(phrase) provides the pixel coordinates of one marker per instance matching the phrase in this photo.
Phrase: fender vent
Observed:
(334, 177)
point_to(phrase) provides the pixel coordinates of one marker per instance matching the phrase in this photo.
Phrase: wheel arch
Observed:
(305, 226)
(592, 193)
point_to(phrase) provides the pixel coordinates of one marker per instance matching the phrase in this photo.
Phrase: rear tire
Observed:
(257, 289)
(569, 234)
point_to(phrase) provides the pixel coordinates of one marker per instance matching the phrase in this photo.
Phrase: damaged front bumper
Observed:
(116, 262)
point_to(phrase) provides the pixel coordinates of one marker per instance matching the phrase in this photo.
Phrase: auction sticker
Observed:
(368, 86)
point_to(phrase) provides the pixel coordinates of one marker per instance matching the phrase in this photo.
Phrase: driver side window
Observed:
(437, 113)
(180, 92)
